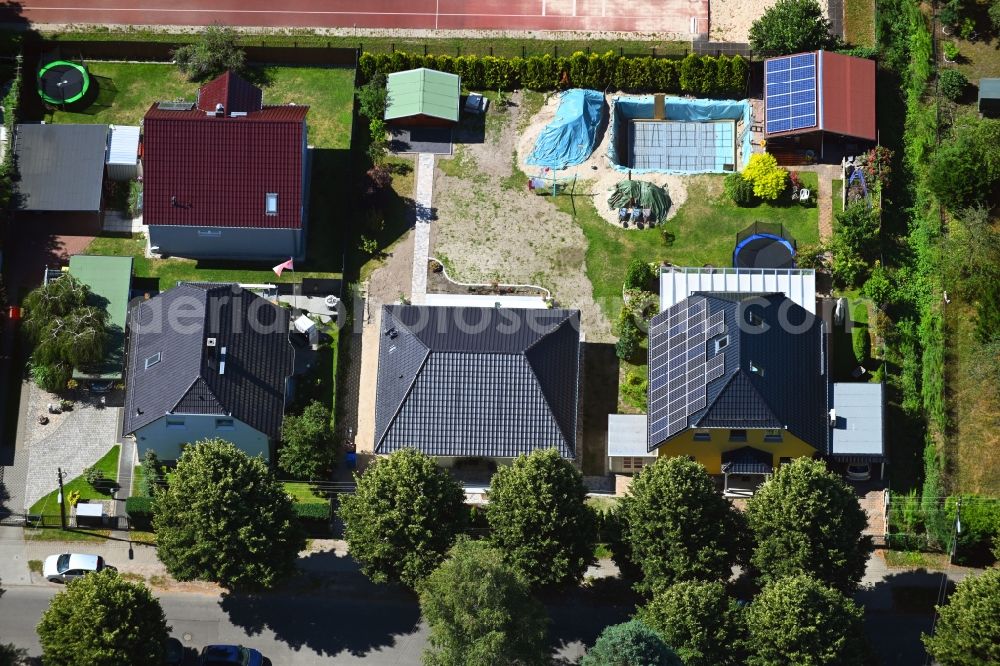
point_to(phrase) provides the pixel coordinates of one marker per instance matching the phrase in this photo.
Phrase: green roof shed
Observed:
(989, 97)
(110, 281)
(423, 97)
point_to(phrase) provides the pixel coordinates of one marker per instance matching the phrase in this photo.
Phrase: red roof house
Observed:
(226, 177)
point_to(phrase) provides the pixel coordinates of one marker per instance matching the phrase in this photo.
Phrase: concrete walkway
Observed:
(120, 223)
(422, 231)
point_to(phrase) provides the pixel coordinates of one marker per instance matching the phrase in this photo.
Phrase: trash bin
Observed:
(351, 459)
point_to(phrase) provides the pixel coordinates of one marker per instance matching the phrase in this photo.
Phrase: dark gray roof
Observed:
(492, 382)
(189, 377)
(771, 376)
(60, 167)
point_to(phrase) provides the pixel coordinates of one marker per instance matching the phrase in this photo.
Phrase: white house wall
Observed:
(167, 441)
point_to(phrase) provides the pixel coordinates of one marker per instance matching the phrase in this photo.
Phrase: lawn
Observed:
(704, 230)
(127, 90)
(49, 505)
(171, 271)
(304, 493)
(859, 22)
(66, 535)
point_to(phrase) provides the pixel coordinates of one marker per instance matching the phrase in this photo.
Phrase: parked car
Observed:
(228, 655)
(859, 472)
(70, 566)
(175, 652)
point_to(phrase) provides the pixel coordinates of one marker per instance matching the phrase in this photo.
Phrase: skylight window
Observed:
(271, 203)
(152, 360)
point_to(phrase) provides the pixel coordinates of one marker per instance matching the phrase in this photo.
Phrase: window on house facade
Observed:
(772, 436)
(702, 436)
(633, 464)
(737, 435)
(176, 422)
(271, 203)
(224, 424)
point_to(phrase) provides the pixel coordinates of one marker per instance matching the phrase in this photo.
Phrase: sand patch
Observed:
(731, 19)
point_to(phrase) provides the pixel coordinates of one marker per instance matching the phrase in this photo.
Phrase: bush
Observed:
(628, 339)
(790, 26)
(740, 190)
(953, 84)
(312, 510)
(372, 98)
(639, 274)
(861, 343)
(140, 512)
(635, 388)
(994, 13)
(94, 476)
(769, 179)
(879, 287)
(216, 51)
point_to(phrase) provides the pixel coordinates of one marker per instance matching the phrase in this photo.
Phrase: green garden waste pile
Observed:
(640, 194)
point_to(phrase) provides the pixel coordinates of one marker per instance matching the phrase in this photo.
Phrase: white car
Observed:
(859, 472)
(70, 566)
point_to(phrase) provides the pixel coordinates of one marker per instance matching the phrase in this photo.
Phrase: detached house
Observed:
(207, 361)
(468, 382)
(226, 177)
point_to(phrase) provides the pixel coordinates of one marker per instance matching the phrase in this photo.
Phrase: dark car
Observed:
(175, 652)
(228, 655)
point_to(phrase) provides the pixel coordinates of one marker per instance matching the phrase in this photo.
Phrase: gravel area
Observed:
(731, 19)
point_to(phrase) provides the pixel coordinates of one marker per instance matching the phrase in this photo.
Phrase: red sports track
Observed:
(645, 16)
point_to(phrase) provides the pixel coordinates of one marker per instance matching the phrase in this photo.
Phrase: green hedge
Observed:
(140, 512)
(695, 75)
(312, 510)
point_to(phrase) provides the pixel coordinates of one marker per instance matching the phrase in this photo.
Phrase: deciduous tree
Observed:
(216, 51)
(103, 620)
(700, 622)
(630, 644)
(798, 621)
(791, 26)
(678, 527)
(480, 611)
(308, 449)
(403, 518)
(968, 628)
(225, 518)
(539, 518)
(806, 520)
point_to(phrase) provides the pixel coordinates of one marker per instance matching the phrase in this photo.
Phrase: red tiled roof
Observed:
(233, 92)
(200, 170)
(848, 95)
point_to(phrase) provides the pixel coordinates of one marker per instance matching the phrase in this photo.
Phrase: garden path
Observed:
(824, 197)
(422, 230)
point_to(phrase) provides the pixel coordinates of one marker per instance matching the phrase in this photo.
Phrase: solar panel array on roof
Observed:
(791, 93)
(681, 338)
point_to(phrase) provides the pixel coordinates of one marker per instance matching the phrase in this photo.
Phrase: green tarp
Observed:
(641, 194)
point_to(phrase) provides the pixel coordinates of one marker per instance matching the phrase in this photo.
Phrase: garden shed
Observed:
(123, 153)
(422, 98)
(989, 97)
(61, 167)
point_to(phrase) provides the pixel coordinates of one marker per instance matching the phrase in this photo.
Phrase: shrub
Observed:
(140, 512)
(312, 510)
(372, 97)
(739, 189)
(93, 475)
(953, 84)
(951, 51)
(635, 388)
(790, 26)
(628, 339)
(216, 51)
(639, 274)
(631, 643)
(994, 12)
(768, 178)
(861, 343)
(879, 287)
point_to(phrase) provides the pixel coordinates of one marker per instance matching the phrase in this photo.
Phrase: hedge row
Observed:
(140, 512)
(694, 75)
(312, 510)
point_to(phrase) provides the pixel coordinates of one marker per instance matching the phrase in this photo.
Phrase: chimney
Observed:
(220, 111)
(833, 418)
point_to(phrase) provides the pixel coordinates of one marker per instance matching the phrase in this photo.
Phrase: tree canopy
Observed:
(791, 26)
(630, 644)
(968, 627)
(403, 518)
(539, 518)
(373, 98)
(798, 621)
(66, 331)
(965, 169)
(216, 51)
(308, 449)
(677, 527)
(806, 520)
(103, 620)
(225, 518)
(700, 622)
(480, 611)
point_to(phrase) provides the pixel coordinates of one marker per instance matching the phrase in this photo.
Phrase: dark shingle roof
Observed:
(187, 378)
(60, 167)
(477, 381)
(774, 375)
(200, 170)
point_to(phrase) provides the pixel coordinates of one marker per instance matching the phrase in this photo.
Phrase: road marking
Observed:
(543, 7)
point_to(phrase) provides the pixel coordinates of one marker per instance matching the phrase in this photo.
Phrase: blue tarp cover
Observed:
(570, 138)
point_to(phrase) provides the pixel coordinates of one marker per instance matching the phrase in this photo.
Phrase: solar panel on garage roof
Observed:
(790, 92)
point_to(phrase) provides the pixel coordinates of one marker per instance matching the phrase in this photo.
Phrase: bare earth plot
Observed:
(731, 19)
(489, 227)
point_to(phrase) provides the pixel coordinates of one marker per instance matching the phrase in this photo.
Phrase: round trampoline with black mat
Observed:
(62, 82)
(764, 246)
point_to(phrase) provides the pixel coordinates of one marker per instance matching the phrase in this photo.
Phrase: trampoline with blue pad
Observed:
(764, 246)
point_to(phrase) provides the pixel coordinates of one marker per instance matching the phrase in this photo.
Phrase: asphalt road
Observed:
(304, 629)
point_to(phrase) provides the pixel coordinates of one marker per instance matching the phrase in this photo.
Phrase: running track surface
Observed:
(646, 16)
